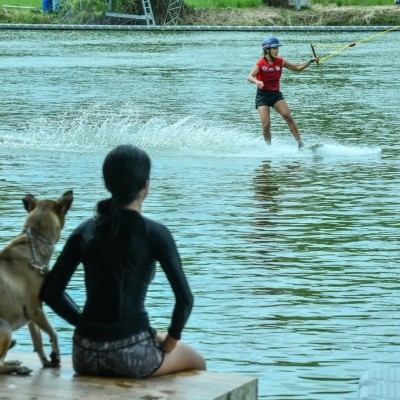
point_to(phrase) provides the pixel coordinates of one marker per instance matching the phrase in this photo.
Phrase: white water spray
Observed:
(101, 125)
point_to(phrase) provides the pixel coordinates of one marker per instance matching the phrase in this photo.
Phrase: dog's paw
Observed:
(54, 363)
(55, 359)
(48, 364)
(23, 370)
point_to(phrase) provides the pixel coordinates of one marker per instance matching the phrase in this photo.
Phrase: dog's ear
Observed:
(65, 201)
(29, 202)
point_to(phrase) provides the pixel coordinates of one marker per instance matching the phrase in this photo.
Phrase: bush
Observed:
(85, 12)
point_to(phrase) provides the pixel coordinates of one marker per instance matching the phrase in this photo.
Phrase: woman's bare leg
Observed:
(264, 112)
(283, 109)
(182, 358)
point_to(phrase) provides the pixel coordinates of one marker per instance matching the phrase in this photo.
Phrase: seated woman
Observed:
(119, 249)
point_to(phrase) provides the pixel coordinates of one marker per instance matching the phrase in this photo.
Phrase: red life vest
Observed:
(270, 73)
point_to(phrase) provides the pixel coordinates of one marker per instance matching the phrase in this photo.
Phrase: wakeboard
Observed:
(311, 147)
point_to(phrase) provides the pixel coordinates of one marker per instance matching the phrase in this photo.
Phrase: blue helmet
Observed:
(270, 42)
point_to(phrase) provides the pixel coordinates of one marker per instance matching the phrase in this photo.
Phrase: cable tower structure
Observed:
(173, 11)
(147, 15)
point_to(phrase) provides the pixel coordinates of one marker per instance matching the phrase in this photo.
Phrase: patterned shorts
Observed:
(136, 356)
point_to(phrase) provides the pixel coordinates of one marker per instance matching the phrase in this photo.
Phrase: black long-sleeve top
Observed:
(117, 276)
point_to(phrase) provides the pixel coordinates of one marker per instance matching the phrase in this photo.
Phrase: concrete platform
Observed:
(184, 28)
(380, 384)
(50, 384)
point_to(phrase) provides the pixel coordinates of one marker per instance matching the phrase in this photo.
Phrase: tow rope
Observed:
(341, 48)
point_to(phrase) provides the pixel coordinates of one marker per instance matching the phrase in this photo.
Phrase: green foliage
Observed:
(224, 3)
(92, 11)
(385, 20)
(127, 7)
(364, 3)
(255, 3)
(82, 11)
(15, 16)
(159, 10)
(23, 3)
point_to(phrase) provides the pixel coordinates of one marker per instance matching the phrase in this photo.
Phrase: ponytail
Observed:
(126, 170)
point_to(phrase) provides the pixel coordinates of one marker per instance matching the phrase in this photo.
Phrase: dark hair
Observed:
(126, 170)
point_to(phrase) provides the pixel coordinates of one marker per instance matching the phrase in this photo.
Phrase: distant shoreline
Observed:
(192, 28)
(317, 15)
(262, 17)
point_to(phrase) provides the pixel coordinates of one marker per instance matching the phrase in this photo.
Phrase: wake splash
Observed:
(102, 126)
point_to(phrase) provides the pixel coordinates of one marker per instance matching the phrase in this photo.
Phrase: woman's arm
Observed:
(298, 67)
(53, 290)
(167, 255)
(252, 77)
(168, 343)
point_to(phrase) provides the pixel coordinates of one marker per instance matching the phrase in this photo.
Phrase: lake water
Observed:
(293, 256)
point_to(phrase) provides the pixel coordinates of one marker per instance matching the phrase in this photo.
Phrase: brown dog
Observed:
(23, 264)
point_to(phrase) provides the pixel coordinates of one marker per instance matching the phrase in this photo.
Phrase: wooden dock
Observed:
(380, 384)
(50, 384)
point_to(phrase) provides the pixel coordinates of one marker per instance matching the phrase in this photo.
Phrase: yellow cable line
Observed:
(341, 48)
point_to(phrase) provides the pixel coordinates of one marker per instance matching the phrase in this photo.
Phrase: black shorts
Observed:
(268, 97)
(136, 356)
